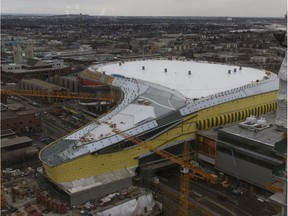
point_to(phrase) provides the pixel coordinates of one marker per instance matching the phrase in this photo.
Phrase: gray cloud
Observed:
(275, 8)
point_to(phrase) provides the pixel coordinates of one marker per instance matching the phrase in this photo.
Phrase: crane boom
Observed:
(57, 94)
(186, 167)
(148, 146)
(194, 169)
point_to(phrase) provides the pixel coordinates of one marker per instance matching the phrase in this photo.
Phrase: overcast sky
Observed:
(253, 8)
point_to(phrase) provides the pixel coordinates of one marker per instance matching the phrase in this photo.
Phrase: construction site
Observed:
(144, 137)
(133, 143)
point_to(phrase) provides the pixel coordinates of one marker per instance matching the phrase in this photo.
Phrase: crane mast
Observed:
(185, 164)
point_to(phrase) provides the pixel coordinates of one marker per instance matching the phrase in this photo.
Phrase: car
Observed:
(46, 140)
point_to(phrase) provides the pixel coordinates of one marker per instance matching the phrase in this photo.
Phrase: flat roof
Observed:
(15, 141)
(268, 136)
(33, 70)
(17, 108)
(205, 78)
(7, 132)
(153, 93)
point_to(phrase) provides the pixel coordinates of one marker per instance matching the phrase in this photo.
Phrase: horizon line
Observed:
(219, 16)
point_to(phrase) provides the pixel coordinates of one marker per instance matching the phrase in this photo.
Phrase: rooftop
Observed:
(268, 136)
(7, 133)
(205, 78)
(17, 108)
(15, 141)
(150, 94)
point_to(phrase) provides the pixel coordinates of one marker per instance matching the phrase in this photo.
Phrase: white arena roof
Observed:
(205, 78)
(149, 98)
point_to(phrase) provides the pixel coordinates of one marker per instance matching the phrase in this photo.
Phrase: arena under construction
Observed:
(163, 102)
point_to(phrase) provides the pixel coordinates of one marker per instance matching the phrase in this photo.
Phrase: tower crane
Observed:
(186, 167)
(184, 162)
(58, 94)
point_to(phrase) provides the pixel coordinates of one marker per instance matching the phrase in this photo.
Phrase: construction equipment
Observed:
(58, 95)
(185, 181)
(186, 167)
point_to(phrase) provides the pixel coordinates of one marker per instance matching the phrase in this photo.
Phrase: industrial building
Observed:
(39, 85)
(34, 84)
(165, 103)
(14, 146)
(20, 117)
(245, 150)
(33, 68)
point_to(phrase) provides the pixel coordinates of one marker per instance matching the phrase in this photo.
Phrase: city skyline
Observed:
(233, 8)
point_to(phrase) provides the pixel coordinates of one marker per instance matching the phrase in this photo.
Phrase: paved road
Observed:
(56, 127)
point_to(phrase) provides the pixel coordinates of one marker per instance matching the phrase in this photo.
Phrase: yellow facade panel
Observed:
(92, 165)
(255, 111)
(212, 122)
(269, 107)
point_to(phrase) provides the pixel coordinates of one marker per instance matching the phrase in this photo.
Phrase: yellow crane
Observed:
(186, 167)
(59, 94)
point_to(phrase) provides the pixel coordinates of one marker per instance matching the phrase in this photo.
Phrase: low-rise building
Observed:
(258, 59)
(15, 149)
(34, 68)
(20, 117)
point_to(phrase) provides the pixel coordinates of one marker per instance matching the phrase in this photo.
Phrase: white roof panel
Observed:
(205, 78)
